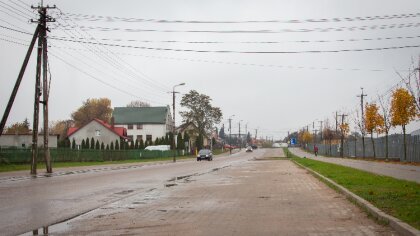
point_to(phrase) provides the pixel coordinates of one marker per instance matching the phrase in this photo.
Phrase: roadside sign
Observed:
(293, 141)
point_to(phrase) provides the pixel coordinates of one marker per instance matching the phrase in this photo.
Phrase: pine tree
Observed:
(87, 145)
(157, 141)
(92, 143)
(102, 146)
(117, 145)
(131, 144)
(166, 141)
(136, 145)
(83, 144)
(112, 146)
(107, 147)
(179, 142)
(141, 145)
(171, 140)
(73, 144)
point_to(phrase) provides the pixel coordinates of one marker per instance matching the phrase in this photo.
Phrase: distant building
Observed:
(415, 132)
(25, 140)
(99, 130)
(191, 129)
(144, 123)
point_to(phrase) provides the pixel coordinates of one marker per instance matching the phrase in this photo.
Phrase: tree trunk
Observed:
(386, 145)
(373, 145)
(405, 144)
(363, 145)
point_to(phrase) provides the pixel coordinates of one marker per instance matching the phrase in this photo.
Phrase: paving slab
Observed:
(254, 197)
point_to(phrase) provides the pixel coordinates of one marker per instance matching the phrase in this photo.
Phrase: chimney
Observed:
(112, 122)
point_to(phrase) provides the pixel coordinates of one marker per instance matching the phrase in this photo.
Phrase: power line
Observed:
(248, 42)
(263, 31)
(79, 17)
(123, 64)
(242, 52)
(99, 80)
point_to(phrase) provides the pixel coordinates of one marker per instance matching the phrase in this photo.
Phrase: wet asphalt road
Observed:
(31, 203)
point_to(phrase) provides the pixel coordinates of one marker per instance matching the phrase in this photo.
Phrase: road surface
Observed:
(242, 194)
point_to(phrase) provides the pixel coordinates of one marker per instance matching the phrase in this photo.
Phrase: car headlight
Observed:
(207, 155)
(198, 155)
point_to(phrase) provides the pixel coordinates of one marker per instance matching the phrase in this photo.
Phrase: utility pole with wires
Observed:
(230, 134)
(363, 122)
(41, 68)
(173, 127)
(42, 60)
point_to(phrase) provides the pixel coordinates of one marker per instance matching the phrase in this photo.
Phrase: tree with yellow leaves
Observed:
(305, 137)
(374, 122)
(403, 110)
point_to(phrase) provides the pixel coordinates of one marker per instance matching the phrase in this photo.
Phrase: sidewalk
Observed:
(405, 172)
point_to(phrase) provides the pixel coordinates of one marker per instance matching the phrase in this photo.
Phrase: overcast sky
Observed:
(274, 92)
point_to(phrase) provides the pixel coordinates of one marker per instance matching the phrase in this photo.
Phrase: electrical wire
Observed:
(243, 52)
(264, 31)
(79, 17)
(248, 42)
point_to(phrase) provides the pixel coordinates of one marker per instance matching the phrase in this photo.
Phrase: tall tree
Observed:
(73, 144)
(87, 143)
(93, 108)
(373, 122)
(141, 145)
(138, 103)
(111, 147)
(83, 144)
(200, 111)
(180, 142)
(117, 145)
(403, 111)
(60, 128)
(92, 143)
(386, 116)
(19, 128)
(97, 145)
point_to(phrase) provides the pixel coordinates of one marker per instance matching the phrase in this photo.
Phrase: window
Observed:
(97, 133)
(139, 126)
(139, 137)
(130, 126)
(149, 138)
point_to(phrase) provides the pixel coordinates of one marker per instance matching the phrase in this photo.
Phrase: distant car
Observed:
(248, 149)
(254, 146)
(205, 154)
(158, 148)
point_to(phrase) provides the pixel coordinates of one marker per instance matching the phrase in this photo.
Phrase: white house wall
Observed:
(156, 130)
(90, 130)
(25, 141)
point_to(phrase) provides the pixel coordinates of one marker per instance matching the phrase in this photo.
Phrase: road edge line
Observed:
(395, 223)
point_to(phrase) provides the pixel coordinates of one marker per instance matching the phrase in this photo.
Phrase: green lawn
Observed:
(16, 167)
(40, 166)
(398, 198)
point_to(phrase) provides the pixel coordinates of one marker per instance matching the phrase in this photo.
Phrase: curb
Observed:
(398, 225)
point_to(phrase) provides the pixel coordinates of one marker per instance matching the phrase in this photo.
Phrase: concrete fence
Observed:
(354, 148)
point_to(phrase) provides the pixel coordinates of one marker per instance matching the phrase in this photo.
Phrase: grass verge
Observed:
(40, 166)
(398, 198)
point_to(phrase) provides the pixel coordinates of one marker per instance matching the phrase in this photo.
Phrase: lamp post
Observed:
(240, 138)
(230, 134)
(173, 108)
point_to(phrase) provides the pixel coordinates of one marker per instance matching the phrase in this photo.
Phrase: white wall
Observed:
(156, 130)
(88, 131)
(7, 140)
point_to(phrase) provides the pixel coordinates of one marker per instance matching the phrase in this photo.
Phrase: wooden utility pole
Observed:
(18, 81)
(230, 135)
(320, 129)
(42, 61)
(363, 122)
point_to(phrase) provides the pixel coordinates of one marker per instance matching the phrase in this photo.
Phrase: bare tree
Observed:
(412, 83)
(386, 114)
(138, 103)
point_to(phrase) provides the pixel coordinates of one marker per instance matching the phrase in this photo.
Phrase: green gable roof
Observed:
(140, 115)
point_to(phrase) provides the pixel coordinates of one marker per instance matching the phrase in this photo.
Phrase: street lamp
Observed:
(173, 108)
(230, 134)
(240, 138)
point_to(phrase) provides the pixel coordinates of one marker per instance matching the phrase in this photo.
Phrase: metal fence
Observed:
(354, 148)
(23, 156)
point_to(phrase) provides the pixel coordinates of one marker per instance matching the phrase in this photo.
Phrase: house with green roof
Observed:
(143, 123)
